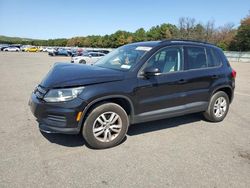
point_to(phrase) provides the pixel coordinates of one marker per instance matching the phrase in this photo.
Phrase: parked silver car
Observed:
(87, 58)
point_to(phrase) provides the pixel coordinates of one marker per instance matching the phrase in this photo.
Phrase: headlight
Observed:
(60, 95)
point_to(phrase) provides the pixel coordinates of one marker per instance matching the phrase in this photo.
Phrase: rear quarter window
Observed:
(213, 57)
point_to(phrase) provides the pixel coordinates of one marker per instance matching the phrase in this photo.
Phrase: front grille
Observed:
(40, 92)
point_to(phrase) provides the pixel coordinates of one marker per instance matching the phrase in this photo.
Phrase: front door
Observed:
(163, 93)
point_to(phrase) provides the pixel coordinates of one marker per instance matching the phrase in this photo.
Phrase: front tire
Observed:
(218, 107)
(105, 126)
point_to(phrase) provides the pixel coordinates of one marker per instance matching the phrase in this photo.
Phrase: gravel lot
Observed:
(179, 152)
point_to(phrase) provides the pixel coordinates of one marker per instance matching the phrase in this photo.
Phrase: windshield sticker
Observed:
(143, 48)
(126, 66)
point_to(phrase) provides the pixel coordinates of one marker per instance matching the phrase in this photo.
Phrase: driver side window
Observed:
(167, 60)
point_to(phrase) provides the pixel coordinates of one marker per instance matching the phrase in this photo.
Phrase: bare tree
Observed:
(209, 31)
(224, 35)
(186, 27)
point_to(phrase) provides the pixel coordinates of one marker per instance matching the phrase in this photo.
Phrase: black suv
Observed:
(135, 83)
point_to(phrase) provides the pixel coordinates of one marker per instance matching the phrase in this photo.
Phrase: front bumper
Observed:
(57, 117)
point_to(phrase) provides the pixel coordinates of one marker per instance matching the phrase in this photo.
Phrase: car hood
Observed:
(69, 75)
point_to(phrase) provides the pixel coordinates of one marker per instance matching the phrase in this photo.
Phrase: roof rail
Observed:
(185, 40)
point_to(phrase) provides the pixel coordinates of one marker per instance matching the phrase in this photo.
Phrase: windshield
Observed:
(123, 58)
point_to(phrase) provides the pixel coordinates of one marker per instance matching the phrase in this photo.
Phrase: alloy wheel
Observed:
(107, 126)
(220, 107)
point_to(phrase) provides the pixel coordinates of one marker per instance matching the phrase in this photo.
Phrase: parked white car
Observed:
(49, 49)
(88, 58)
(12, 49)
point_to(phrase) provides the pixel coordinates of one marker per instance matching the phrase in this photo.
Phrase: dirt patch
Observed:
(245, 155)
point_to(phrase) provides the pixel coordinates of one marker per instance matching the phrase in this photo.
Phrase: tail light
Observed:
(233, 73)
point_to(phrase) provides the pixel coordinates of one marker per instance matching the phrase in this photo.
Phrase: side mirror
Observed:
(90, 55)
(151, 71)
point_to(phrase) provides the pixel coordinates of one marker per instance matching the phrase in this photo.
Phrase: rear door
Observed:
(198, 75)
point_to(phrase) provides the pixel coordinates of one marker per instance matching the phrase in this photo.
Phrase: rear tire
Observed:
(105, 126)
(218, 107)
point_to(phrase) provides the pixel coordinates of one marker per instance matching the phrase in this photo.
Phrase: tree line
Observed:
(227, 36)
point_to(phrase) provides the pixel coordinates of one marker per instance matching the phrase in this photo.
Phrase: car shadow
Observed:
(65, 139)
(142, 128)
(69, 140)
(137, 129)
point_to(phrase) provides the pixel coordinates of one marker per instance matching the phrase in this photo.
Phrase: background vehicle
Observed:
(101, 51)
(3, 46)
(135, 83)
(59, 52)
(87, 58)
(44, 49)
(11, 49)
(25, 47)
(74, 54)
(49, 50)
(78, 52)
(32, 49)
(40, 48)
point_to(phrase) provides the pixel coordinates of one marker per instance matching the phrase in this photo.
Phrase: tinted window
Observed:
(210, 58)
(94, 54)
(217, 58)
(196, 57)
(213, 58)
(167, 60)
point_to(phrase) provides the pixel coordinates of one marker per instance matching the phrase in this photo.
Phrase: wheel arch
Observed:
(82, 60)
(123, 101)
(227, 89)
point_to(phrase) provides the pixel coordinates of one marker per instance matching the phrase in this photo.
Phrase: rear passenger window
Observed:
(196, 58)
(214, 59)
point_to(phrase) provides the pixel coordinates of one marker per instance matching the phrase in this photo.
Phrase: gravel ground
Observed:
(179, 152)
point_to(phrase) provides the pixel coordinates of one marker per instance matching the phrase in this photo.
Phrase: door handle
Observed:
(215, 76)
(182, 81)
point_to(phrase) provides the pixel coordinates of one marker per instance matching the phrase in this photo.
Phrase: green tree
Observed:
(154, 33)
(120, 38)
(140, 35)
(168, 31)
(242, 38)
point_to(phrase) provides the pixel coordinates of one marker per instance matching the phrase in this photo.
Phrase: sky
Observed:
(45, 19)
